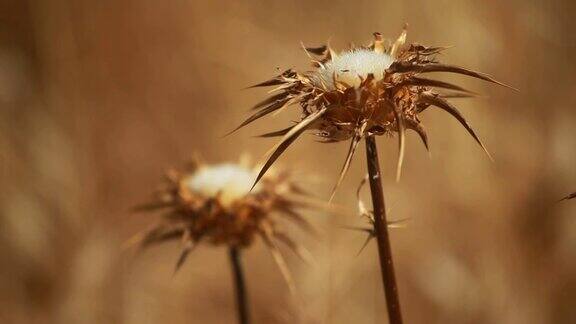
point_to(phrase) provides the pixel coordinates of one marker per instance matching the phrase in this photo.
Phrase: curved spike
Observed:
(299, 250)
(156, 238)
(272, 99)
(460, 70)
(401, 140)
(301, 221)
(261, 113)
(266, 235)
(298, 190)
(189, 246)
(282, 88)
(449, 108)
(277, 133)
(418, 128)
(151, 206)
(370, 236)
(158, 233)
(415, 81)
(427, 51)
(570, 196)
(307, 202)
(268, 83)
(353, 145)
(290, 137)
(457, 95)
(437, 67)
(367, 230)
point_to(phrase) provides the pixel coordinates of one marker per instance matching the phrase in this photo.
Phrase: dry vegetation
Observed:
(97, 98)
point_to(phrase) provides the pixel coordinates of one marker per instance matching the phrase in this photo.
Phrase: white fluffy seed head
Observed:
(231, 181)
(348, 67)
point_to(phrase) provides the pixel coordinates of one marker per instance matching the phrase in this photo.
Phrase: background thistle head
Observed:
(214, 204)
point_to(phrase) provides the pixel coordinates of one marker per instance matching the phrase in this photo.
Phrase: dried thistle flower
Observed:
(365, 90)
(214, 204)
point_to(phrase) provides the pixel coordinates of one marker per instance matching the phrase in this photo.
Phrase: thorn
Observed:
(570, 196)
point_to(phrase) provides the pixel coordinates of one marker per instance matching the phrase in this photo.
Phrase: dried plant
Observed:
(214, 204)
(366, 90)
(360, 93)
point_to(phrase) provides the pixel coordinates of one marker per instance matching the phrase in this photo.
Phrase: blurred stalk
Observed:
(240, 286)
(381, 232)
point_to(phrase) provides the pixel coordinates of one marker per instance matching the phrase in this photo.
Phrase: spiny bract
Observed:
(364, 91)
(570, 196)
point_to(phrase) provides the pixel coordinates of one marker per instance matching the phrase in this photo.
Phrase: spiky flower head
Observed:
(214, 204)
(363, 91)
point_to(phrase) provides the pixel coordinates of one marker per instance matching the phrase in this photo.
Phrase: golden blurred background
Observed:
(99, 98)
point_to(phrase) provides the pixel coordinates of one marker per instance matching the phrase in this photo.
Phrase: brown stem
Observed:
(381, 231)
(240, 284)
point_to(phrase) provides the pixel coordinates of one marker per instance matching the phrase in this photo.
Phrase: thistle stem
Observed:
(240, 286)
(381, 232)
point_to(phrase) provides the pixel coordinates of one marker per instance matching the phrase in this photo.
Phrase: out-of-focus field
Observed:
(98, 98)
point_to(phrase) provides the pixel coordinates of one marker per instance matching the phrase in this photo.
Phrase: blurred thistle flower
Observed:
(214, 204)
(365, 90)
